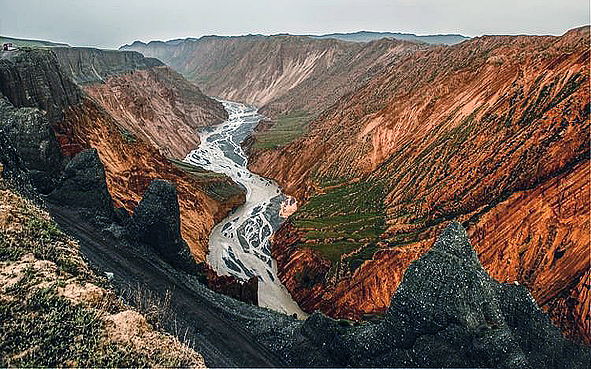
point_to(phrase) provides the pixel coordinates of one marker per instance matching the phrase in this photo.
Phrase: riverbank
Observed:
(240, 244)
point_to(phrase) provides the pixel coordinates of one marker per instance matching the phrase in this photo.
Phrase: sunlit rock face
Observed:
(493, 133)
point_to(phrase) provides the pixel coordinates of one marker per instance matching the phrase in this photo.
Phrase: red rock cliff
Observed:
(493, 132)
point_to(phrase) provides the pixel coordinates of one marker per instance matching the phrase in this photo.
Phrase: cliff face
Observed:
(131, 164)
(87, 65)
(493, 132)
(160, 106)
(79, 123)
(32, 78)
(303, 73)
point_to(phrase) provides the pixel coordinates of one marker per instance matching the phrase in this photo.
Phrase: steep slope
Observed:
(130, 161)
(50, 299)
(259, 69)
(160, 106)
(252, 69)
(493, 132)
(88, 65)
(146, 97)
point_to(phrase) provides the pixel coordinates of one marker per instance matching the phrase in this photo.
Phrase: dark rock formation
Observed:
(447, 312)
(33, 78)
(83, 185)
(156, 222)
(246, 291)
(30, 133)
(86, 65)
(13, 170)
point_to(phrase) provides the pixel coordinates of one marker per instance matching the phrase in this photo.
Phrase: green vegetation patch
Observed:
(285, 129)
(344, 224)
(218, 186)
(44, 329)
(32, 231)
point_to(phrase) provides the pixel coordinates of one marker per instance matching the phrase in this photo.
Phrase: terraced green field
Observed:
(345, 220)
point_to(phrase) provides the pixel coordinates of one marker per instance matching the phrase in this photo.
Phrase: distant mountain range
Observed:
(24, 42)
(366, 36)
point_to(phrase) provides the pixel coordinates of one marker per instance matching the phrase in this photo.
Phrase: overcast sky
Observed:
(111, 23)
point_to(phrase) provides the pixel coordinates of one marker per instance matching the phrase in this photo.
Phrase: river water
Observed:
(240, 244)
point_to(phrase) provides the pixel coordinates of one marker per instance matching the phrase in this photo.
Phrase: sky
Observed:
(112, 23)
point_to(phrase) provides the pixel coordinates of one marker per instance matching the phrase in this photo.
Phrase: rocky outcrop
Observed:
(30, 134)
(246, 291)
(160, 106)
(88, 65)
(156, 222)
(33, 78)
(493, 132)
(448, 312)
(83, 185)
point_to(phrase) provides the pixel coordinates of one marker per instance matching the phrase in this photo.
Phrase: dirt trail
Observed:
(218, 338)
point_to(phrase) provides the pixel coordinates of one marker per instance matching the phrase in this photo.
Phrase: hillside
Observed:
(55, 310)
(493, 132)
(291, 78)
(33, 79)
(89, 65)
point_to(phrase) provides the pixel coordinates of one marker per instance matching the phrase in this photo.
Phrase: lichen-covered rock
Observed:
(156, 222)
(83, 185)
(30, 133)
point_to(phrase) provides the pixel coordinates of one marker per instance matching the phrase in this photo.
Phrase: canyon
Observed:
(387, 142)
(135, 133)
(439, 195)
(493, 132)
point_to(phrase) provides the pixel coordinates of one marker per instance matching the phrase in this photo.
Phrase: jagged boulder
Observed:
(31, 135)
(448, 312)
(83, 185)
(156, 222)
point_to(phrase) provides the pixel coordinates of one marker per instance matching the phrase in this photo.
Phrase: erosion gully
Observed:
(240, 244)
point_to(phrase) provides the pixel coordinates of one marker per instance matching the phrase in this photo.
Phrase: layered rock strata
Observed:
(493, 132)
(79, 123)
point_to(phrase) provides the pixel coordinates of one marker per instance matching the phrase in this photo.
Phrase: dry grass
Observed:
(55, 311)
